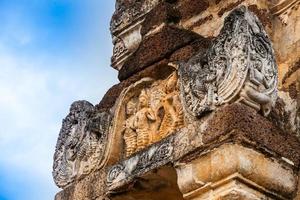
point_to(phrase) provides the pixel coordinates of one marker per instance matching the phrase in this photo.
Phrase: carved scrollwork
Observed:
(238, 67)
(114, 172)
(157, 155)
(119, 50)
(81, 143)
(126, 25)
(163, 152)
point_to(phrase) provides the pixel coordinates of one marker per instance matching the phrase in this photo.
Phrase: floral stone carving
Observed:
(238, 67)
(81, 143)
(152, 112)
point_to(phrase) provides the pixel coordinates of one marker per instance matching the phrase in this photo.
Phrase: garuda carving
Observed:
(81, 143)
(238, 67)
(152, 114)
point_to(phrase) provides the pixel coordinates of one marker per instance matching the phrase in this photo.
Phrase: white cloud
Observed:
(34, 99)
(37, 87)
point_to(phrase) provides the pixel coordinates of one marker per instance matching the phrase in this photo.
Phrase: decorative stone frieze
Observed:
(157, 155)
(152, 112)
(81, 143)
(126, 28)
(239, 67)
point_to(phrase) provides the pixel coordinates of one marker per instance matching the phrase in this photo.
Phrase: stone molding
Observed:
(206, 175)
(126, 28)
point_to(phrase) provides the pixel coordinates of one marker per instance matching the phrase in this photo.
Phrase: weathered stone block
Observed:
(155, 48)
(234, 171)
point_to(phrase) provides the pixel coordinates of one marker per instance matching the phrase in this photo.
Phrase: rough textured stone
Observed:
(155, 48)
(159, 70)
(189, 8)
(233, 124)
(241, 121)
(90, 187)
(239, 66)
(263, 14)
(162, 13)
(291, 71)
(81, 144)
(185, 53)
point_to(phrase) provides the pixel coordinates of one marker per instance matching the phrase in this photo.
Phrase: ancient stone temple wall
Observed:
(207, 106)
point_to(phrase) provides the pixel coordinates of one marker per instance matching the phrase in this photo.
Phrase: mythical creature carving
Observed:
(81, 143)
(152, 114)
(238, 67)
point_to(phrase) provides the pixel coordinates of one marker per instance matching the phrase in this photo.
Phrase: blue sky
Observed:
(52, 52)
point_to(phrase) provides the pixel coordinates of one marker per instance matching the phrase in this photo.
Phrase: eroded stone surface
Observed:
(239, 66)
(92, 186)
(81, 143)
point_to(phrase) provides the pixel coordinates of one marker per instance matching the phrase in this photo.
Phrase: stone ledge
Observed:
(234, 163)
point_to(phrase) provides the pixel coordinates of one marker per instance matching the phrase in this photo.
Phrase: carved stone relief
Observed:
(157, 155)
(81, 143)
(125, 44)
(238, 67)
(119, 53)
(152, 111)
(126, 27)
